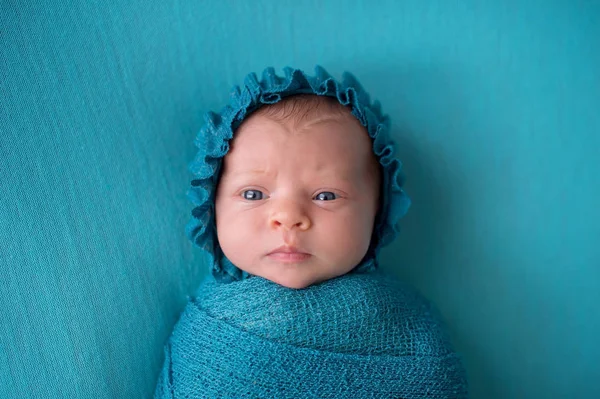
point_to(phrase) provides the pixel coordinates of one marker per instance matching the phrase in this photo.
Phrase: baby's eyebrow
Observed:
(253, 172)
(237, 176)
(346, 176)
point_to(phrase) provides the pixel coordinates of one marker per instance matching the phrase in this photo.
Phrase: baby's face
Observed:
(308, 189)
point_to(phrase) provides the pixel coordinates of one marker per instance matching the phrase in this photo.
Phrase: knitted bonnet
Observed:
(219, 129)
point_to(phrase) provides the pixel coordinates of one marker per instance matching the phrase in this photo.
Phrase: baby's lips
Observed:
(286, 249)
(289, 257)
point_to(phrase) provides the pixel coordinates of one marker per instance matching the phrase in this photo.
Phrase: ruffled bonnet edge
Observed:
(213, 144)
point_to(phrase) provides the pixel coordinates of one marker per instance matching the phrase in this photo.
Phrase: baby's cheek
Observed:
(349, 235)
(247, 230)
(227, 233)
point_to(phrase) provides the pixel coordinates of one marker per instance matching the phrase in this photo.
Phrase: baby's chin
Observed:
(296, 278)
(296, 275)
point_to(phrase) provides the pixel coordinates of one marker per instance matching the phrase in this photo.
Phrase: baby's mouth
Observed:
(288, 257)
(288, 254)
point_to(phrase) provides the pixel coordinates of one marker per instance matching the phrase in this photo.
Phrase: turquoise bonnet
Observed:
(219, 128)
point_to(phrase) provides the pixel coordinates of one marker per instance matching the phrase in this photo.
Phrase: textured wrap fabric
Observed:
(213, 144)
(356, 336)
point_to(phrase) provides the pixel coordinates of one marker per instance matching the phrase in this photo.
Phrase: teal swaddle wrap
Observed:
(361, 335)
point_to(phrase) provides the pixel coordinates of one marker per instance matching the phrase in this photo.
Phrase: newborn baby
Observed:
(296, 190)
(298, 193)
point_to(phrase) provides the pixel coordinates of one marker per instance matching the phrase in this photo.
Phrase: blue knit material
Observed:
(361, 335)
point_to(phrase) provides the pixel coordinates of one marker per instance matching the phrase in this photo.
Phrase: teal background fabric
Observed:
(494, 107)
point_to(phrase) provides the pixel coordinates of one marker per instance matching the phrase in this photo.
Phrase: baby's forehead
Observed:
(301, 113)
(291, 127)
(327, 133)
(319, 127)
(326, 149)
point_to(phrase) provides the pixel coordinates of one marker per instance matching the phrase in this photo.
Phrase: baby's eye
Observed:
(252, 195)
(325, 196)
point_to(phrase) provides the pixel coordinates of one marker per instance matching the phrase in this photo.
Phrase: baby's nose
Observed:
(290, 215)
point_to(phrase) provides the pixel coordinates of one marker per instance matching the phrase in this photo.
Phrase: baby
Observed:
(298, 192)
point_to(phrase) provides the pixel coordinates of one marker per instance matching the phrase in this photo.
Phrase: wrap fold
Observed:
(356, 336)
